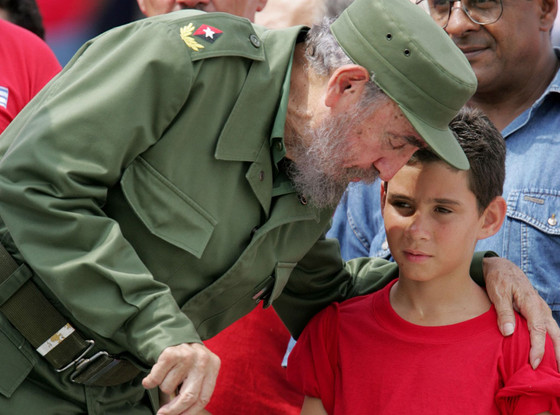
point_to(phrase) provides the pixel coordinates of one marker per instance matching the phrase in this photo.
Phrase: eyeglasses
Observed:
(481, 12)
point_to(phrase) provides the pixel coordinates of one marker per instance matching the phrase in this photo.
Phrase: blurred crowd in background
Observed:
(70, 23)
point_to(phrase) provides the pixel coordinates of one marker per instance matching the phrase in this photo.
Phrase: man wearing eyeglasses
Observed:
(508, 44)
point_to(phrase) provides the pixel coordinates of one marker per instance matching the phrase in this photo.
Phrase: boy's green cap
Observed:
(414, 62)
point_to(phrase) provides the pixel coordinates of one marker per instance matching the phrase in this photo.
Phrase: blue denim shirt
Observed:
(530, 236)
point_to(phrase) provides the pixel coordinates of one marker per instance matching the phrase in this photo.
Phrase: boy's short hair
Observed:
(485, 149)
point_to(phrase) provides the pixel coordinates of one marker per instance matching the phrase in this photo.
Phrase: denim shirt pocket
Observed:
(533, 229)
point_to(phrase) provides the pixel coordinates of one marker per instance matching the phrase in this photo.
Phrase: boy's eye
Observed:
(441, 209)
(403, 207)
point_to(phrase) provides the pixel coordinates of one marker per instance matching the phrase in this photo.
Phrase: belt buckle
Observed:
(83, 364)
(80, 358)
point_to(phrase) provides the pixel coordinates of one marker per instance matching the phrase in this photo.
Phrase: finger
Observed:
(208, 388)
(197, 387)
(538, 339)
(554, 333)
(539, 318)
(499, 289)
(187, 400)
(156, 375)
(172, 382)
(504, 310)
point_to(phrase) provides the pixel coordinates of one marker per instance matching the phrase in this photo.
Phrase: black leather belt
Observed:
(52, 336)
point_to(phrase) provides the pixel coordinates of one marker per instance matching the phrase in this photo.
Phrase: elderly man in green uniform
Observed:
(181, 170)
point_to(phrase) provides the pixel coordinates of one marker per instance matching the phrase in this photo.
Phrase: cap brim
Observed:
(442, 142)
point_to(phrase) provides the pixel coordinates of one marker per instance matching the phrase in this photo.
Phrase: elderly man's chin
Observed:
(325, 190)
(318, 162)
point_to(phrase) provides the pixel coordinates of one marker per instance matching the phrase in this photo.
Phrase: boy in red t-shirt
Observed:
(428, 343)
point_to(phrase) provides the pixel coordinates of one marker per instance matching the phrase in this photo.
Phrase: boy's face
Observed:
(432, 221)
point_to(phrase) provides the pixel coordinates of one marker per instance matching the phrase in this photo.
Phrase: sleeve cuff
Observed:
(476, 271)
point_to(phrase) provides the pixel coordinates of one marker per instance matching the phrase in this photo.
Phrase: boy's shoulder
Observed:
(516, 348)
(362, 307)
(352, 309)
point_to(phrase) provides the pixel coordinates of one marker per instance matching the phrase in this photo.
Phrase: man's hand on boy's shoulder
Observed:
(509, 288)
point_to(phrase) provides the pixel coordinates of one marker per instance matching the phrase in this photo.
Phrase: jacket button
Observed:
(302, 199)
(255, 41)
(552, 221)
(261, 175)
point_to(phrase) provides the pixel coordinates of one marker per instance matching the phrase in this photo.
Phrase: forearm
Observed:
(477, 266)
(322, 277)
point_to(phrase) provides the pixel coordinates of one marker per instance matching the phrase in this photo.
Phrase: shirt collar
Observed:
(522, 119)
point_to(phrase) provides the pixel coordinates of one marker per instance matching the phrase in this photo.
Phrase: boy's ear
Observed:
(383, 197)
(346, 85)
(493, 217)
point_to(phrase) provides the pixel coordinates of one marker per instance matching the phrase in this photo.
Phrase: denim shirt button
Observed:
(385, 245)
(552, 221)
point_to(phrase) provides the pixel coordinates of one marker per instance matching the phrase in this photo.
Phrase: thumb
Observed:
(506, 317)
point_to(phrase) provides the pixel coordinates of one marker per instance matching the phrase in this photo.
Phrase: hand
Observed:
(508, 287)
(187, 374)
(164, 399)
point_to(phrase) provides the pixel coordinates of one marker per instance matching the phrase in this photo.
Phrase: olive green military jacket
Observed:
(139, 186)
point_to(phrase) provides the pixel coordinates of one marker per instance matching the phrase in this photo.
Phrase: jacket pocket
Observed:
(165, 210)
(16, 358)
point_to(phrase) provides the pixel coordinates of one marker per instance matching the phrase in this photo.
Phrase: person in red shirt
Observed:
(428, 342)
(27, 65)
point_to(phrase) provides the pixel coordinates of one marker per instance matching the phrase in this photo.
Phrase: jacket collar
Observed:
(253, 117)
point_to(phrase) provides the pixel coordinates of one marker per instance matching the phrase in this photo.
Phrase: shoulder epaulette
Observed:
(209, 35)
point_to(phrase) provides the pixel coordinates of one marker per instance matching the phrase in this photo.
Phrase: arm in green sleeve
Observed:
(67, 149)
(322, 277)
(476, 270)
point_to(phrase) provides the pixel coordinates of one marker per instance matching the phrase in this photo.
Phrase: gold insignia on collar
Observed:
(186, 32)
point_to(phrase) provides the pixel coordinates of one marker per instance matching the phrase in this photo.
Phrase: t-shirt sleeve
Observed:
(526, 391)
(313, 361)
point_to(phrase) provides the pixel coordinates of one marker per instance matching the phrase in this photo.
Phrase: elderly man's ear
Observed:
(547, 10)
(346, 86)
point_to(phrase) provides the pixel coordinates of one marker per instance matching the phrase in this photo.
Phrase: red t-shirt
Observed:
(27, 65)
(252, 380)
(360, 357)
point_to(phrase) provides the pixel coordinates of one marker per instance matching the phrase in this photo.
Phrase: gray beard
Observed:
(317, 170)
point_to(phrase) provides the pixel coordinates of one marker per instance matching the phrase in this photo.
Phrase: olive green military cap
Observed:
(414, 62)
